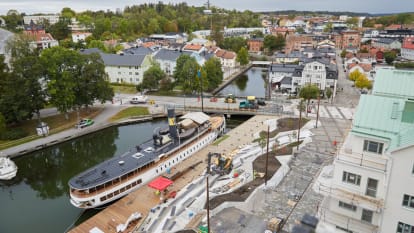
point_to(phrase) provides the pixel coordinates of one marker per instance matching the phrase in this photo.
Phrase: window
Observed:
(367, 215)
(404, 228)
(412, 171)
(347, 206)
(408, 201)
(375, 147)
(351, 178)
(371, 187)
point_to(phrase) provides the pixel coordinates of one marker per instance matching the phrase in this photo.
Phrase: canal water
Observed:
(252, 82)
(37, 199)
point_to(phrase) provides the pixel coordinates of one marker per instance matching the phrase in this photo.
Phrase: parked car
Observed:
(84, 123)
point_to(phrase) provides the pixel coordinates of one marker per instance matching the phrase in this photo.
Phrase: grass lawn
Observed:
(124, 89)
(130, 112)
(222, 138)
(56, 123)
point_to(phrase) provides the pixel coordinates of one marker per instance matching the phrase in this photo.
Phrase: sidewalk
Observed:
(101, 122)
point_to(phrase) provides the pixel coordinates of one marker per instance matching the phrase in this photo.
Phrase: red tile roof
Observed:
(365, 67)
(193, 47)
(408, 43)
(225, 54)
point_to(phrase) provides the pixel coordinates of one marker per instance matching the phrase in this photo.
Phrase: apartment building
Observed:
(369, 188)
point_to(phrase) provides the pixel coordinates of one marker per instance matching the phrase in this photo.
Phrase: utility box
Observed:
(42, 129)
(274, 224)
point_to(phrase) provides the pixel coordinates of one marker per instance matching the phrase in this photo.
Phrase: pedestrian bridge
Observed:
(234, 110)
(261, 63)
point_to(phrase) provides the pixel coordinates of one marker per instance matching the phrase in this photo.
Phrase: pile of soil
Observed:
(259, 165)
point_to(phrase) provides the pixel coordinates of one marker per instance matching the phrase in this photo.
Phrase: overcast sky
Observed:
(370, 6)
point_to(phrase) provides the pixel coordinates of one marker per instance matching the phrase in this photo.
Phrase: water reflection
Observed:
(37, 198)
(252, 82)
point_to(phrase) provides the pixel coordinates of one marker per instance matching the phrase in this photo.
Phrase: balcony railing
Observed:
(345, 222)
(368, 160)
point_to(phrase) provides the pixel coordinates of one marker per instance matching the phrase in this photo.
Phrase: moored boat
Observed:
(8, 168)
(120, 175)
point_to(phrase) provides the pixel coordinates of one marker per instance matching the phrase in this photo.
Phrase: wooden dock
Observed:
(145, 198)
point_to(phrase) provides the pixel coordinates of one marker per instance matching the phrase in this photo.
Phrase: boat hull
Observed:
(123, 188)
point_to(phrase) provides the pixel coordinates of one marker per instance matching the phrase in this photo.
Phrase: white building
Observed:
(39, 19)
(407, 48)
(315, 71)
(370, 186)
(80, 36)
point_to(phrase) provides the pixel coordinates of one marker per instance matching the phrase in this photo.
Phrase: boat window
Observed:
(139, 181)
(123, 189)
(116, 192)
(156, 170)
(110, 195)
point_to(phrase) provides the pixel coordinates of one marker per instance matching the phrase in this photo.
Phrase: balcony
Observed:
(326, 186)
(344, 222)
(368, 160)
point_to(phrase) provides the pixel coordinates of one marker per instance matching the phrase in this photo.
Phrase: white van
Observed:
(139, 99)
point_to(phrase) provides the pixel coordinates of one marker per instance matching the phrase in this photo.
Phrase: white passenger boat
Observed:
(123, 174)
(8, 168)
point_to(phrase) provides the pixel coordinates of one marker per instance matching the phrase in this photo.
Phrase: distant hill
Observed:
(335, 13)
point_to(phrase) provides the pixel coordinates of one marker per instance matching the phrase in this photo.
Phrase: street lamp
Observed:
(201, 89)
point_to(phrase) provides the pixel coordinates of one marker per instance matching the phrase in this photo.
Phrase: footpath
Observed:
(101, 122)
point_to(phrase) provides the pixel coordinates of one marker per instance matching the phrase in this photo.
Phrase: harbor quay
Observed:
(146, 200)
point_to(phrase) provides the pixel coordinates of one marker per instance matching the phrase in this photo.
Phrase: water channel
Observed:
(37, 199)
(252, 82)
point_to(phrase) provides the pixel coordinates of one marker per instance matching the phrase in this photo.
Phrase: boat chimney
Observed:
(171, 123)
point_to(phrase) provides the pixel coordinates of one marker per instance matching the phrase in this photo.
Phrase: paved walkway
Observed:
(293, 197)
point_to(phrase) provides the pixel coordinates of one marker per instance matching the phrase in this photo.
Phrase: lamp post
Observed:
(201, 89)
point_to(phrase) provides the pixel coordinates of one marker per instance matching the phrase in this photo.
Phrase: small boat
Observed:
(120, 175)
(8, 168)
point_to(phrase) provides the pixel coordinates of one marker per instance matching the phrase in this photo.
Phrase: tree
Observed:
(328, 27)
(178, 71)
(273, 43)
(389, 57)
(13, 19)
(329, 93)
(363, 82)
(29, 95)
(355, 75)
(309, 92)
(243, 56)
(166, 84)
(257, 34)
(233, 43)
(60, 30)
(214, 73)
(152, 77)
(343, 53)
(352, 22)
(300, 30)
(74, 79)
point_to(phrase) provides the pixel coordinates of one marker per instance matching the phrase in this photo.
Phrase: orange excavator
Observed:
(221, 164)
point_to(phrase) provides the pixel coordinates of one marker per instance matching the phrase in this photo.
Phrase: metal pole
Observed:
(208, 207)
(317, 112)
(267, 153)
(300, 119)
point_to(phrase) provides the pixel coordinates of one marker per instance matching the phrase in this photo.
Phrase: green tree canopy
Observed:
(243, 56)
(214, 73)
(390, 56)
(273, 43)
(309, 92)
(363, 82)
(233, 43)
(152, 77)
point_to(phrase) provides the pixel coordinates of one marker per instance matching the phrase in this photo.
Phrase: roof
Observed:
(170, 55)
(197, 117)
(285, 68)
(386, 40)
(396, 83)
(160, 183)
(122, 60)
(225, 54)
(138, 50)
(384, 117)
(193, 47)
(364, 66)
(408, 43)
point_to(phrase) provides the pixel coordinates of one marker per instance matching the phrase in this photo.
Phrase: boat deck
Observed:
(144, 199)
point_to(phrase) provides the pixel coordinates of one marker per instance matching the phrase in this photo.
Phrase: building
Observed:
(387, 43)
(293, 57)
(315, 71)
(80, 36)
(255, 44)
(280, 75)
(38, 36)
(370, 186)
(227, 58)
(40, 19)
(124, 68)
(348, 40)
(298, 42)
(407, 48)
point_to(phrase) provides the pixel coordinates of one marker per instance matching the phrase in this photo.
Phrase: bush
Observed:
(13, 134)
